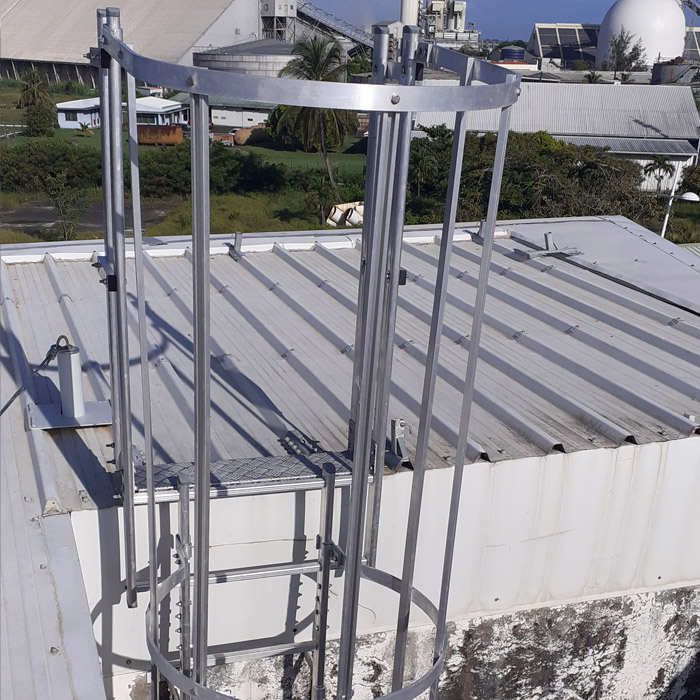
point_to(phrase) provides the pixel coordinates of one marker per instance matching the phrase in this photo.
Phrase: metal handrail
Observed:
(501, 91)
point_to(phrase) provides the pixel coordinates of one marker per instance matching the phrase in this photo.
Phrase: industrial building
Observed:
(659, 24)
(149, 110)
(580, 503)
(54, 37)
(633, 121)
(521, 398)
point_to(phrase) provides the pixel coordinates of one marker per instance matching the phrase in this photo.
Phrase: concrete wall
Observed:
(257, 65)
(552, 530)
(642, 646)
(237, 118)
(92, 119)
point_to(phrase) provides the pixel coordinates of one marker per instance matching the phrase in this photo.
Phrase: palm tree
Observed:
(35, 90)
(659, 166)
(592, 77)
(317, 59)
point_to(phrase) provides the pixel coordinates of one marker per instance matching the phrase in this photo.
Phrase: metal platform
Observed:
(254, 471)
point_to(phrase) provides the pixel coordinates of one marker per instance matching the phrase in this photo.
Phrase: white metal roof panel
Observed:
(47, 647)
(89, 103)
(571, 360)
(641, 147)
(45, 30)
(576, 109)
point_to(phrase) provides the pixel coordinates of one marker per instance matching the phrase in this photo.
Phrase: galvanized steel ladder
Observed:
(391, 99)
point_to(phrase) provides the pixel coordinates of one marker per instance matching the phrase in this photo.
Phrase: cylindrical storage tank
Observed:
(70, 381)
(409, 12)
(512, 53)
(659, 24)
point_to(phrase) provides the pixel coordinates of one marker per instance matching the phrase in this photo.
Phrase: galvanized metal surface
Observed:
(571, 360)
(575, 109)
(636, 256)
(670, 147)
(46, 645)
(693, 248)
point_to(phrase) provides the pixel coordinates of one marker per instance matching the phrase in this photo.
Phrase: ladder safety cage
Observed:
(391, 98)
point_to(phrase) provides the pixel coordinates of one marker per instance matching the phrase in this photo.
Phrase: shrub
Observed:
(23, 164)
(40, 119)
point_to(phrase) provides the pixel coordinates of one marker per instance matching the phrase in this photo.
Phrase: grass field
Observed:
(284, 211)
(346, 161)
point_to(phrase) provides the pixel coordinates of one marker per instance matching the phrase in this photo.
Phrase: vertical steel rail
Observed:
(380, 62)
(202, 378)
(443, 273)
(108, 232)
(318, 691)
(124, 456)
(474, 343)
(143, 362)
(409, 46)
(185, 592)
(363, 439)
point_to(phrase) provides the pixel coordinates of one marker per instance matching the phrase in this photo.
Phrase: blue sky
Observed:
(502, 19)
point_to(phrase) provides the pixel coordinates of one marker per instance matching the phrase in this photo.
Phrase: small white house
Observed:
(149, 110)
(76, 112)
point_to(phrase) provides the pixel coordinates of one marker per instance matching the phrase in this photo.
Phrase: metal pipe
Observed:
(124, 457)
(426, 412)
(318, 691)
(362, 451)
(393, 266)
(202, 379)
(474, 342)
(670, 202)
(143, 363)
(379, 68)
(70, 381)
(103, 81)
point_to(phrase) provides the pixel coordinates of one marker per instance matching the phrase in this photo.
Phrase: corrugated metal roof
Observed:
(570, 360)
(63, 31)
(576, 109)
(47, 647)
(634, 146)
(693, 248)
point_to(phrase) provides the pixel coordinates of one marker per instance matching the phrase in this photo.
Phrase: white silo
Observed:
(409, 12)
(660, 24)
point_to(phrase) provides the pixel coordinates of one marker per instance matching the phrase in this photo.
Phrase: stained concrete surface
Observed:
(635, 647)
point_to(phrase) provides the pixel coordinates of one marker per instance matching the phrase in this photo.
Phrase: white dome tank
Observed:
(660, 24)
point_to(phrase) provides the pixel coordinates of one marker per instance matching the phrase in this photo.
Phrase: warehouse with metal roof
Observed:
(587, 396)
(54, 37)
(633, 121)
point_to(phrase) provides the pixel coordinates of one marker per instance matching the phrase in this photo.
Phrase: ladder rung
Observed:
(260, 653)
(251, 573)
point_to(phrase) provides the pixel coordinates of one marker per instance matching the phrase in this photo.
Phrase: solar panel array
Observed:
(566, 42)
(692, 44)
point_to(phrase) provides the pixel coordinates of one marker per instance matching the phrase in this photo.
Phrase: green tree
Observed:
(317, 59)
(70, 203)
(40, 119)
(624, 55)
(592, 77)
(320, 195)
(35, 90)
(659, 166)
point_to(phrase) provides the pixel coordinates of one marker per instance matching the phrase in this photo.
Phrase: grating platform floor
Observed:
(252, 470)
